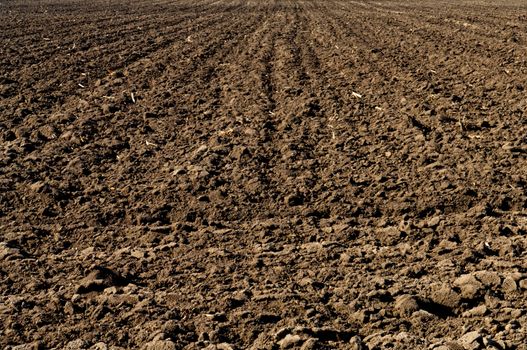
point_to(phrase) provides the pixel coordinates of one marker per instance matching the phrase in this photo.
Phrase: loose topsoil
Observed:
(236, 174)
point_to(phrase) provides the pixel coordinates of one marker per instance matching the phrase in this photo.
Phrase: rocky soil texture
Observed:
(283, 174)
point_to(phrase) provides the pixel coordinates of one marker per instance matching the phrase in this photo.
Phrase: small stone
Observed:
(406, 304)
(160, 345)
(509, 285)
(289, 341)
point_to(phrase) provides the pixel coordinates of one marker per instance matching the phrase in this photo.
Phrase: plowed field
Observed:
(239, 174)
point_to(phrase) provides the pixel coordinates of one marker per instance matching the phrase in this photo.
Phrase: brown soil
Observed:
(238, 174)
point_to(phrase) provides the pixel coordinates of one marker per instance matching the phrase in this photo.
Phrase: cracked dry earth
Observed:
(284, 174)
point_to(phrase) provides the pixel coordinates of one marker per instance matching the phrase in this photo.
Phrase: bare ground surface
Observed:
(240, 174)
